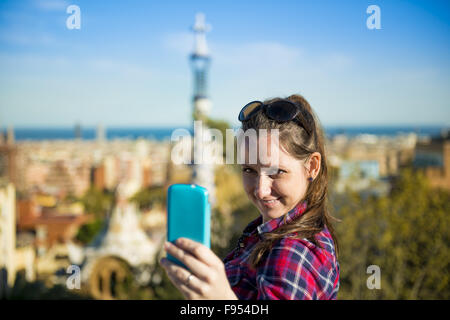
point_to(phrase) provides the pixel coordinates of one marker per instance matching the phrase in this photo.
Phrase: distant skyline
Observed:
(128, 64)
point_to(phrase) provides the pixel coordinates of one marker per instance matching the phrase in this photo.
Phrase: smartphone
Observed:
(188, 215)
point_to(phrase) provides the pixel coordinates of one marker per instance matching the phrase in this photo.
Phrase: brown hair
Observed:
(300, 145)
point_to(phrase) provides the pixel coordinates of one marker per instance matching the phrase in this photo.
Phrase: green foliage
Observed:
(37, 290)
(149, 197)
(128, 288)
(242, 216)
(88, 231)
(71, 198)
(160, 284)
(97, 202)
(404, 233)
(222, 126)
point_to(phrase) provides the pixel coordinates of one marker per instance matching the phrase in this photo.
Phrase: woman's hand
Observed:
(208, 280)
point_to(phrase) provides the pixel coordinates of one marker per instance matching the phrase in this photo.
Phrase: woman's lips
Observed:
(270, 203)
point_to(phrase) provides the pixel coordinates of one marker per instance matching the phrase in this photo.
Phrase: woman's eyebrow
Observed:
(248, 165)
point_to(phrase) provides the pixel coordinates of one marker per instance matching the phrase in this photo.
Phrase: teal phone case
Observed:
(189, 215)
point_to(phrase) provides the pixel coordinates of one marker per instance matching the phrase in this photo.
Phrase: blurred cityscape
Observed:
(99, 204)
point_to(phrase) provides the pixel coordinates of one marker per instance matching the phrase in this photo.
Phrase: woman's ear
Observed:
(313, 165)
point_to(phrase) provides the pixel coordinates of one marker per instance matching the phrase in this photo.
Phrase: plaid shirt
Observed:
(293, 269)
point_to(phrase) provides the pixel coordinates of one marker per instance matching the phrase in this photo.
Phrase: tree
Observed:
(149, 197)
(38, 290)
(98, 203)
(404, 233)
(88, 231)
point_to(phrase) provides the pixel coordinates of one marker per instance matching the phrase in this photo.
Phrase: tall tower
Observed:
(203, 169)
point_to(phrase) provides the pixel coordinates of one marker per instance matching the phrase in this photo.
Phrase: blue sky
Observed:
(128, 64)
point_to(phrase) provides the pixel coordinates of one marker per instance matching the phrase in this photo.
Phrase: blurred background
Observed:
(91, 92)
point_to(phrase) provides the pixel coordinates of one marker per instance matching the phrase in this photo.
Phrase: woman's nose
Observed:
(263, 187)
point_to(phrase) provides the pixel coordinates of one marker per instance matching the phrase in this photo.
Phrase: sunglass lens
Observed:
(248, 109)
(282, 111)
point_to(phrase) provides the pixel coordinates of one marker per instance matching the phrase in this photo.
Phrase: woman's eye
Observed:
(248, 170)
(279, 173)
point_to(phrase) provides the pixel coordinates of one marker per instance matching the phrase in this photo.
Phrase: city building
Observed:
(365, 163)
(432, 156)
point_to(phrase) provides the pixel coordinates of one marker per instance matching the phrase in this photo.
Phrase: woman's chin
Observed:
(272, 213)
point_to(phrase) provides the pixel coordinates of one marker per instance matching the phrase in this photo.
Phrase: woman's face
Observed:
(276, 186)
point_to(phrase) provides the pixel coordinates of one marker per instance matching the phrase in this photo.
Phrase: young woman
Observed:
(290, 251)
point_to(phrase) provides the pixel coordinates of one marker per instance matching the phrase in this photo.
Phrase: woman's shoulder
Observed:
(304, 250)
(326, 242)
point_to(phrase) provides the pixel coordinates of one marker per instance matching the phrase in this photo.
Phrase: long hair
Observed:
(300, 145)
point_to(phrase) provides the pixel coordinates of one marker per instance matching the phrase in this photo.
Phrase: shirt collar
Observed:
(273, 224)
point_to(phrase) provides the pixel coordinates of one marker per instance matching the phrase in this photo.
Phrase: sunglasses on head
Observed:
(280, 110)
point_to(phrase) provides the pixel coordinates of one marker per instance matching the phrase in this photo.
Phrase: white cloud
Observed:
(51, 5)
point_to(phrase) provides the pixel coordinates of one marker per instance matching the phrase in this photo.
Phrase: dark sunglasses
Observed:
(280, 110)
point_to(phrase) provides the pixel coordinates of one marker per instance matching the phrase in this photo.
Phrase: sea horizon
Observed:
(160, 133)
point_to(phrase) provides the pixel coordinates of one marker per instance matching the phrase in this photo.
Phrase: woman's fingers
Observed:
(195, 265)
(198, 250)
(208, 279)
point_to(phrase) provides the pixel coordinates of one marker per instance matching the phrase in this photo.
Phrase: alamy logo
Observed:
(207, 146)
(74, 20)
(373, 21)
(74, 280)
(374, 281)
